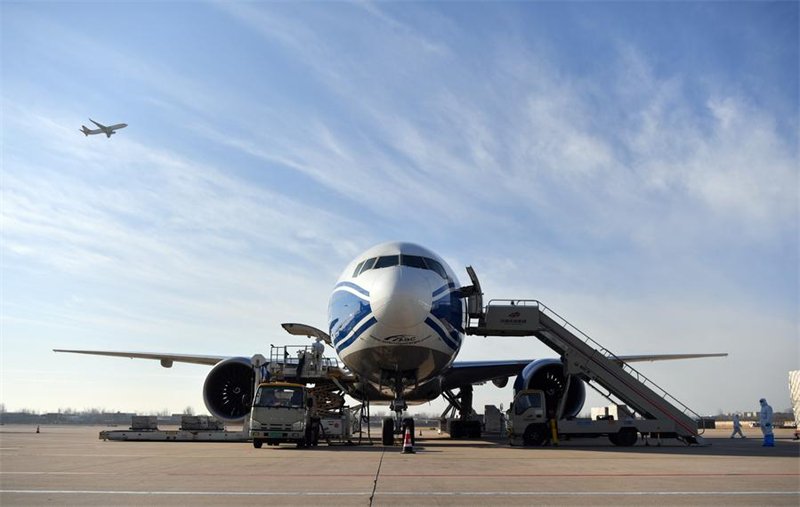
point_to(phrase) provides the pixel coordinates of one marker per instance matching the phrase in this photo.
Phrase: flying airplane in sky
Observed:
(108, 131)
(397, 321)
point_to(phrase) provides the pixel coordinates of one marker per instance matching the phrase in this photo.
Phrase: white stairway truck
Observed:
(660, 414)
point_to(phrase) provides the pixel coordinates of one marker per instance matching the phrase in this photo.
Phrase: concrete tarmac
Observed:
(69, 465)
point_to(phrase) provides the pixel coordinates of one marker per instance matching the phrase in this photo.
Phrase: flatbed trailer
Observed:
(175, 435)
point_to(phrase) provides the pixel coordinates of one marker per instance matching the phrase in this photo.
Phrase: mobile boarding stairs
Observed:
(660, 413)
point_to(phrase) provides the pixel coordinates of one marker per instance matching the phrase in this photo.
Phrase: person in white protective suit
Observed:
(765, 421)
(737, 427)
(317, 348)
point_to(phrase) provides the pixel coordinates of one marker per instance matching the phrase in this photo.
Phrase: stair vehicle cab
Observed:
(283, 412)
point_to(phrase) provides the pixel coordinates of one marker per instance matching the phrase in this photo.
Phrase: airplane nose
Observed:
(400, 297)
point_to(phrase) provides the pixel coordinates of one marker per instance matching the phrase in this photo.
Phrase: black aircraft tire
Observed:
(387, 430)
(474, 429)
(257, 443)
(456, 429)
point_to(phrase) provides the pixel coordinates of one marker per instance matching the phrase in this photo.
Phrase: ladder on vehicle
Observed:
(584, 358)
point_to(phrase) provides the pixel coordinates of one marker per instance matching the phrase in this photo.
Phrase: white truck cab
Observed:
(283, 412)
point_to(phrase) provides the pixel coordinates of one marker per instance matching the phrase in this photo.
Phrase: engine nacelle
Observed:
(228, 389)
(548, 375)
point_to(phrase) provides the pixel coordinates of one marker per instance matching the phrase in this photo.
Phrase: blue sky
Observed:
(632, 165)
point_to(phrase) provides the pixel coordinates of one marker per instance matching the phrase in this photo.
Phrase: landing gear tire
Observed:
(535, 435)
(387, 431)
(626, 437)
(456, 429)
(257, 443)
(473, 429)
(408, 422)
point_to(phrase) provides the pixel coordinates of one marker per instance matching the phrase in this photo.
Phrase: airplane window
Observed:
(368, 265)
(358, 268)
(387, 261)
(413, 261)
(436, 266)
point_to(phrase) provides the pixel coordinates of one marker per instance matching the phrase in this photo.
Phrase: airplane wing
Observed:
(473, 372)
(166, 359)
(665, 357)
(99, 125)
(117, 126)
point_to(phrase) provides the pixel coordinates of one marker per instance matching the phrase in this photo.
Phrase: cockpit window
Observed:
(435, 265)
(413, 261)
(368, 264)
(387, 261)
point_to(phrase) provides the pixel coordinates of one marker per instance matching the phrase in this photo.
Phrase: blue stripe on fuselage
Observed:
(345, 311)
(448, 309)
(353, 286)
(368, 324)
(450, 285)
(442, 334)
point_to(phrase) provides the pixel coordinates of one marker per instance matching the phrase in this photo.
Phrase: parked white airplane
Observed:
(396, 320)
(108, 131)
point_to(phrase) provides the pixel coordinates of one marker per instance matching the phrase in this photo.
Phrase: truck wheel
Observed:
(387, 431)
(535, 435)
(257, 443)
(625, 438)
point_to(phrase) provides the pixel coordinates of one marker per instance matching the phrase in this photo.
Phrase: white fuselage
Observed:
(396, 317)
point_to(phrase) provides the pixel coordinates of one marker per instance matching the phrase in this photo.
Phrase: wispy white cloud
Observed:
(551, 143)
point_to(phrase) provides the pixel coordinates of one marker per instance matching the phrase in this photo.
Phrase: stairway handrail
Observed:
(641, 377)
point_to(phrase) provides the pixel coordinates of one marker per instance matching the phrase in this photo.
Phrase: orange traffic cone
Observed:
(407, 447)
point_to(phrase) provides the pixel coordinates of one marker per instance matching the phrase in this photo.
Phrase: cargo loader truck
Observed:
(283, 412)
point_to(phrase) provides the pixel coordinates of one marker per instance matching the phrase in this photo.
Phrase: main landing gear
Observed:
(464, 426)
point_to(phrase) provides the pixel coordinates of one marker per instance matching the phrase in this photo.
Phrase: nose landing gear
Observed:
(397, 425)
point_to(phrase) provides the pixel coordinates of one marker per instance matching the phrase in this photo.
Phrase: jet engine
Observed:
(548, 376)
(228, 389)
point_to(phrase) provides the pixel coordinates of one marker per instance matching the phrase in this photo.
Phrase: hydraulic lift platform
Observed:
(583, 358)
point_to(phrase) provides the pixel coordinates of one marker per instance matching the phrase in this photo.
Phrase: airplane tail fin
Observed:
(85, 130)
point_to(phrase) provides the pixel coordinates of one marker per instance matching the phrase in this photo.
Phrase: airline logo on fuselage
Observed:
(400, 339)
